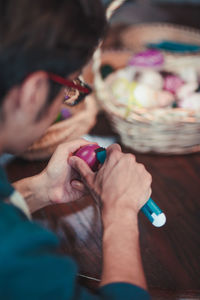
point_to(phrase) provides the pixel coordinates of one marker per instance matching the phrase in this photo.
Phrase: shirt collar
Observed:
(6, 189)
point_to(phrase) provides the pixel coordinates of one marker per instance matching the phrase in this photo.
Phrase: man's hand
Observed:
(121, 184)
(58, 183)
(60, 179)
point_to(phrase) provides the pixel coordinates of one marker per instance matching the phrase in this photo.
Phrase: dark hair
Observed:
(51, 35)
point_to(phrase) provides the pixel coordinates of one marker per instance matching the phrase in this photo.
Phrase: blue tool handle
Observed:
(147, 213)
(151, 210)
(152, 207)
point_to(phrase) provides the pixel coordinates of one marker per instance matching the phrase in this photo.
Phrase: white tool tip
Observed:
(159, 220)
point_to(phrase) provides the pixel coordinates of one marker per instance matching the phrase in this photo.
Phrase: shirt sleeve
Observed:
(31, 269)
(123, 290)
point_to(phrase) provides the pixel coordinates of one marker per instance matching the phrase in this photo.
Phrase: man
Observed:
(42, 43)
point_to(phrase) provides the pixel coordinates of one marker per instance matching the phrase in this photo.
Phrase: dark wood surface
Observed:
(171, 254)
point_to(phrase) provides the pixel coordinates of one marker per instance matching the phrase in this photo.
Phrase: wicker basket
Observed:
(82, 120)
(164, 131)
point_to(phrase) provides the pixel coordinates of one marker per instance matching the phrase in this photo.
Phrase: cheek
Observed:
(53, 110)
(56, 104)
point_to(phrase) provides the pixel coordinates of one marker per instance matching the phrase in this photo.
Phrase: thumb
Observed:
(79, 186)
(82, 168)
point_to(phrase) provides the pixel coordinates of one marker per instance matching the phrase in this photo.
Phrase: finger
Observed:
(82, 168)
(113, 147)
(130, 157)
(64, 150)
(114, 150)
(78, 185)
(113, 155)
(75, 145)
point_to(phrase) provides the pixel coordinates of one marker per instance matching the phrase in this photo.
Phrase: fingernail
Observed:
(76, 184)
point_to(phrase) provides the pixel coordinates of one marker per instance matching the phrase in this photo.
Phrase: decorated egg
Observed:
(151, 78)
(165, 99)
(148, 58)
(188, 74)
(172, 83)
(88, 154)
(121, 90)
(191, 102)
(127, 73)
(145, 96)
(187, 89)
(149, 98)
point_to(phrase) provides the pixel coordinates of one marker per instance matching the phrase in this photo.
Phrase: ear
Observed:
(33, 93)
(11, 101)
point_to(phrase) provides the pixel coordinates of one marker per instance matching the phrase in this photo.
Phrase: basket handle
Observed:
(96, 60)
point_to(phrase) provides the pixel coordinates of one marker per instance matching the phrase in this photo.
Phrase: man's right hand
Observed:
(121, 185)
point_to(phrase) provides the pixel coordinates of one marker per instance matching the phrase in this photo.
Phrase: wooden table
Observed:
(171, 254)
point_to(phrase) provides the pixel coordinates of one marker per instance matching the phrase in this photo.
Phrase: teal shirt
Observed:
(30, 269)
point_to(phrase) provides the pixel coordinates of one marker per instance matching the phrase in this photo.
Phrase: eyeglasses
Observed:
(75, 91)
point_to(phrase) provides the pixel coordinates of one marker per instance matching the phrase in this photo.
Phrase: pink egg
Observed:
(165, 98)
(88, 154)
(147, 58)
(172, 83)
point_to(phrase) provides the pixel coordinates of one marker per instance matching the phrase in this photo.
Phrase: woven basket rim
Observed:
(143, 118)
(194, 32)
(164, 24)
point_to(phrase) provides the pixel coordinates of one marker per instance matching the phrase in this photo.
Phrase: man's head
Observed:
(37, 37)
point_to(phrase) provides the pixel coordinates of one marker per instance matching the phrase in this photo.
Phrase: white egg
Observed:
(187, 89)
(120, 89)
(188, 74)
(145, 96)
(152, 79)
(126, 73)
(191, 102)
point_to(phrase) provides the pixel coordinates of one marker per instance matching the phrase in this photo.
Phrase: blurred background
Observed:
(171, 255)
(185, 12)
